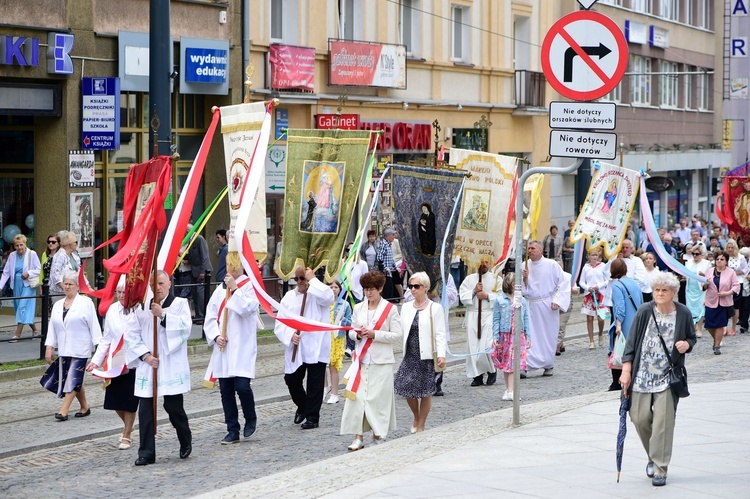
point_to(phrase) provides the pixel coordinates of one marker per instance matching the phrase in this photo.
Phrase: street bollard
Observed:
(45, 317)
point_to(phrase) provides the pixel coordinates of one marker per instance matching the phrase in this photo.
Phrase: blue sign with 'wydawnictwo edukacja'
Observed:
(206, 65)
(100, 114)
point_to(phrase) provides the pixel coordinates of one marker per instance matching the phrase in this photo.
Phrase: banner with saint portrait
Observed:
(605, 213)
(324, 171)
(733, 205)
(485, 215)
(240, 127)
(424, 199)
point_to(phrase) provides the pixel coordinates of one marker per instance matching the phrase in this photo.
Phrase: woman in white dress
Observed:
(694, 292)
(593, 282)
(370, 400)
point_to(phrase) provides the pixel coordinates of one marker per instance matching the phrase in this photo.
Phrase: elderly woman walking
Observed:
(73, 330)
(659, 329)
(22, 270)
(370, 401)
(425, 322)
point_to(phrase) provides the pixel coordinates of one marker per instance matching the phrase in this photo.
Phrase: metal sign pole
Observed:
(518, 290)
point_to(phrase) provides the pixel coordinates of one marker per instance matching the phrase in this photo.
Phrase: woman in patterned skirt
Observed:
(341, 315)
(425, 322)
(503, 327)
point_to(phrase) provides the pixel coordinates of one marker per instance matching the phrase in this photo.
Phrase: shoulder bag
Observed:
(677, 374)
(620, 340)
(434, 349)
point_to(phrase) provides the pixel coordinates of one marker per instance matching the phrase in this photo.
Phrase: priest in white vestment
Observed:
(472, 293)
(235, 347)
(545, 290)
(171, 360)
(313, 348)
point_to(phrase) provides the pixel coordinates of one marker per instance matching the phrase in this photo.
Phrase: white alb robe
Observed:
(314, 347)
(546, 285)
(173, 375)
(238, 358)
(477, 365)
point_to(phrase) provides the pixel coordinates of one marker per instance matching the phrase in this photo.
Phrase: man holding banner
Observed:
(478, 293)
(306, 353)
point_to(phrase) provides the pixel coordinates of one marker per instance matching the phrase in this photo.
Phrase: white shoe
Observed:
(601, 341)
(124, 443)
(333, 399)
(377, 440)
(413, 430)
(356, 445)
(326, 391)
(592, 346)
(508, 395)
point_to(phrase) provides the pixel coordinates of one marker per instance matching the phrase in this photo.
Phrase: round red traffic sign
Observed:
(584, 55)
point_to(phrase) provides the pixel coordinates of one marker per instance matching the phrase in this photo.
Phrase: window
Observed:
(521, 42)
(688, 88)
(688, 13)
(668, 84)
(640, 92)
(284, 15)
(704, 90)
(704, 10)
(350, 19)
(410, 28)
(615, 95)
(669, 9)
(641, 6)
(611, 2)
(460, 20)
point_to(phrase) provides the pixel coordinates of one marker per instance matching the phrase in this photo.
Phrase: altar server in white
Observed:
(472, 293)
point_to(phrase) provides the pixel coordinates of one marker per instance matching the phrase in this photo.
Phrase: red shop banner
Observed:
(366, 64)
(342, 121)
(292, 67)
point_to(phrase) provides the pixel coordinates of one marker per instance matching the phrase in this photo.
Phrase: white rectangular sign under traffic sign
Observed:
(582, 115)
(575, 144)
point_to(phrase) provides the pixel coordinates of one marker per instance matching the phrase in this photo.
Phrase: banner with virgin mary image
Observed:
(424, 199)
(485, 216)
(605, 213)
(240, 127)
(324, 171)
(733, 205)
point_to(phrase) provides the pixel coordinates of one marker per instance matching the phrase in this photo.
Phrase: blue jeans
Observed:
(240, 386)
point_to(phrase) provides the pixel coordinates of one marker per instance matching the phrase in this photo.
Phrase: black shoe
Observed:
(548, 372)
(477, 381)
(185, 451)
(439, 393)
(717, 351)
(230, 438)
(60, 417)
(650, 469)
(613, 387)
(142, 461)
(298, 418)
(743, 330)
(558, 353)
(491, 378)
(249, 431)
(523, 374)
(562, 349)
(309, 425)
(659, 481)
(83, 414)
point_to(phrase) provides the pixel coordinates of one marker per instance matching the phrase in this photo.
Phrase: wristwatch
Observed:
(143, 357)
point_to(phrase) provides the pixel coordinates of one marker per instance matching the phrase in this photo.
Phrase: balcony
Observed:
(529, 93)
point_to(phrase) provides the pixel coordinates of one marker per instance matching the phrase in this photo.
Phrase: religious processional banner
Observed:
(485, 214)
(733, 204)
(532, 205)
(240, 127)
(424, 200)
(324, 171)
(605, 213)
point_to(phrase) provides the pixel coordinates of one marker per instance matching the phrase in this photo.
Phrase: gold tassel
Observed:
(350, 395)
(209, 384)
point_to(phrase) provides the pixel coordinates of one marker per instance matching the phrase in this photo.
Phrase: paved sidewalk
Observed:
(565, 448)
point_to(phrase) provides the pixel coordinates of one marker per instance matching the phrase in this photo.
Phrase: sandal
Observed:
(15, 339)
(124, 443)
(356, 445)
(731, 332)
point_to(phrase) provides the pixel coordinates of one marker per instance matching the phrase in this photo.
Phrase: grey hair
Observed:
(121, 282)
(665, 279)
(71, 276)
(422, 278)
(389, 231)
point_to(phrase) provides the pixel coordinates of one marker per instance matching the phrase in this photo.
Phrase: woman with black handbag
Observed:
(659, 327)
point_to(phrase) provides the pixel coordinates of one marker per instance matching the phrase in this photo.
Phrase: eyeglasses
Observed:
(413, 286)
(697, 254)
(52, 242)
(300, 278)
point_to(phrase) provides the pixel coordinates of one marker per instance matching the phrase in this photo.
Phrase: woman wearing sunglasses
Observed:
(694, 292)
(53, 244)
(425, 322)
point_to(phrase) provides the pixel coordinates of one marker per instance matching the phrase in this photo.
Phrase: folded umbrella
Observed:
(621, 433)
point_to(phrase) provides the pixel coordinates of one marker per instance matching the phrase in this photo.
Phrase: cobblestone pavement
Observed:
(77, 455)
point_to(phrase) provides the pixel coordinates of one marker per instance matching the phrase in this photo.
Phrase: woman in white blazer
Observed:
(22, 266)
(370, 401)
(74, 330)
(425, 322)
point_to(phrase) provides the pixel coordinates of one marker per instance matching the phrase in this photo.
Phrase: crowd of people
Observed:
(629, 295)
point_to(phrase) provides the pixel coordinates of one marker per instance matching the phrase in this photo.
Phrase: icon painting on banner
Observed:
(584, 55)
